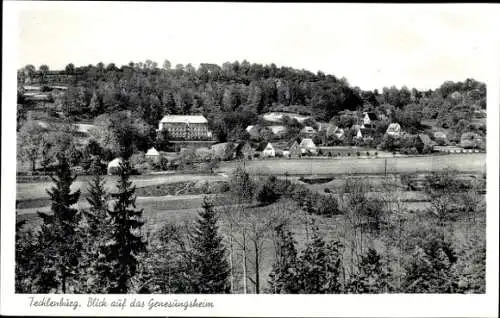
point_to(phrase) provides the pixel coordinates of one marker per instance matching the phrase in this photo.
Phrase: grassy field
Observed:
(37, 190)
(473, 162)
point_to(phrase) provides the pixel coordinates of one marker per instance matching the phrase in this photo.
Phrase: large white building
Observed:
(187, 127)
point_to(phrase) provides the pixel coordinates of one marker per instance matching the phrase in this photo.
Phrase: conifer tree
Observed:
(96, 231)
(126, 240)
(59, 244)
(430, 269)
(284, 277)
(320, 266)
(208, 256)
(373, 278)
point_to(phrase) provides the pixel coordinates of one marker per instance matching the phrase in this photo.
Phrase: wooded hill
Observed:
(232, 96)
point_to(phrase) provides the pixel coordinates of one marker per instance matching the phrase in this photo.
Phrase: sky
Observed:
(372, 46)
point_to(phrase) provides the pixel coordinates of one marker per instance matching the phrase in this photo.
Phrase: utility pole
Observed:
(385, 166)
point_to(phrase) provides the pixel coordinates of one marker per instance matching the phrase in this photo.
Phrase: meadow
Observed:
(470, 162)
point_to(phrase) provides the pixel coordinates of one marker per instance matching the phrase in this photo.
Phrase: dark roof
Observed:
(372, 116)
(425, 139)
(262, 145)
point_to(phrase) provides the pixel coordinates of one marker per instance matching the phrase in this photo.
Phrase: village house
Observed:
(307, 146)
(394, 130)
(294, 150)
(153, 155)
(114, 166)
(278, 130)
(471, 140)
(357, 131)
(187, 127)
(308, 131)
(369, 119)
(440, 137)
(266, 149)
(253, 131)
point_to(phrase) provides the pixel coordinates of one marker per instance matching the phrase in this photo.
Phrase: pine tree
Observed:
(59, 244)
(284, 278)
(208, 256)
(320, 265)
(430, 269)
(96, 233)
(372, 277)
(126, 240)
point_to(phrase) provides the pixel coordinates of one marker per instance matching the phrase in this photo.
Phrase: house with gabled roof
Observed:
(295, 150)
(253, 131)
(153, 155)
(369, 119)
(266, 149)
(307, 145)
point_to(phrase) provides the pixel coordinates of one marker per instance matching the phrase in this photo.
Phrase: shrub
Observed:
(367, 153)
(358, 154)
(267, 193)
(327, 205)
(327, 190)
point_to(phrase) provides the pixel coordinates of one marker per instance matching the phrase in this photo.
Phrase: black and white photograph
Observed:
(259, 149)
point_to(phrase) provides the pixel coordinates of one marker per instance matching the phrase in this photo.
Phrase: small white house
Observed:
(268, 150)
(307, 145)
(394, 130)
(114, 166)
(359, 134)
(153, 155)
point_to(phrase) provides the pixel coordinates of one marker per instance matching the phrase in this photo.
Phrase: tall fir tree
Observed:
(126, 240)
(208, 255)
(96, 233)
(59, 241)
(320, 266)
(284, 278)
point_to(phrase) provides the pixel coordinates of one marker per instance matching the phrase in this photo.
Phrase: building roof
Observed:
(115, 162)
(372, 116)
(276, 129)
(394, 127)
(308, 129)
(189, 119)
(152, 152)
(263, 145)
(307, 143)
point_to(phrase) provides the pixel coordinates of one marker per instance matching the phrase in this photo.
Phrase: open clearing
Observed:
(473, 162)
